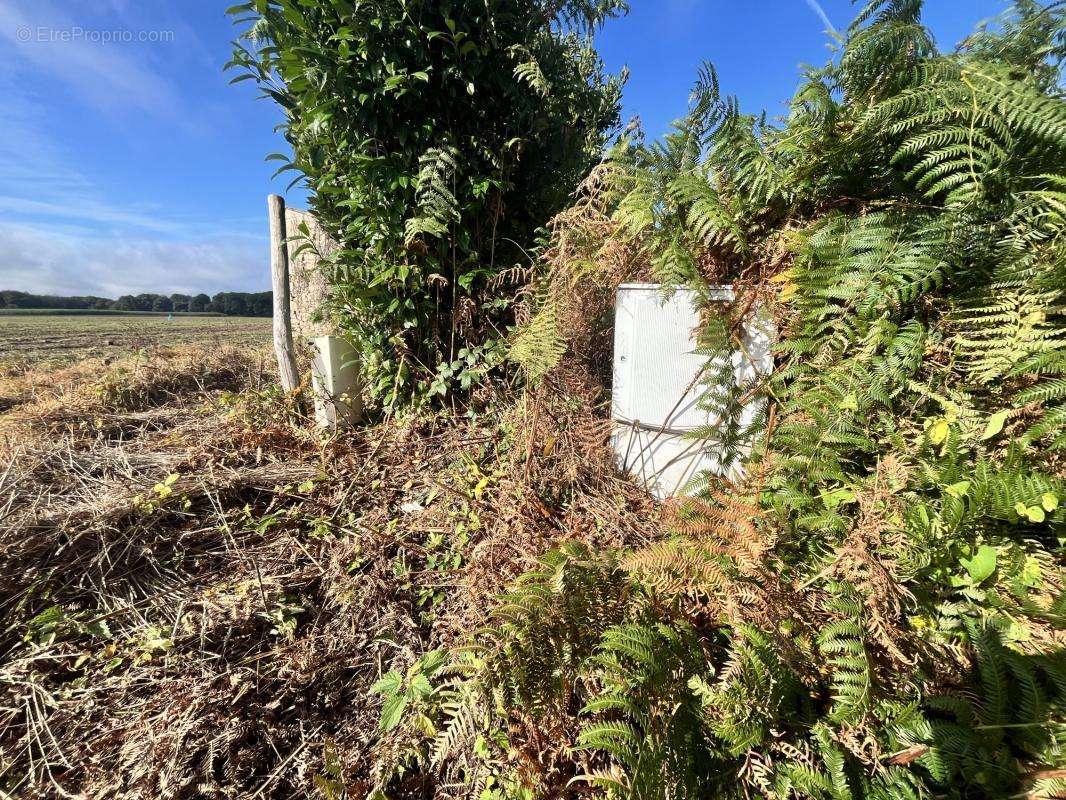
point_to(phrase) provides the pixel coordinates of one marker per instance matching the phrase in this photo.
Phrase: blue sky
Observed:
(129, 164)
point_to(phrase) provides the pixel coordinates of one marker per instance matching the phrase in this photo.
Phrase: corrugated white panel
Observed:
(657, 387)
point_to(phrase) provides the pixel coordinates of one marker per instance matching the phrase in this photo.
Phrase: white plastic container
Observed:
(336, 383)
(657, 387)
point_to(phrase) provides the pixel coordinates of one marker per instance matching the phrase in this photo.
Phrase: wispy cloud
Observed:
(62, 231)
(110, 77)
(47, 260)
(816, 7)
(41, 181)
(86, 210)
(31, 164)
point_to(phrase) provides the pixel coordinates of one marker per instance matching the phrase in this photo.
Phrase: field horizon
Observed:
(104, 312)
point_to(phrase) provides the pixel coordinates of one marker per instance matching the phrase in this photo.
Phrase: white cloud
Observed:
(87, 210)
(50, 260)
(60, 232)
(816, 7)
(110, 77)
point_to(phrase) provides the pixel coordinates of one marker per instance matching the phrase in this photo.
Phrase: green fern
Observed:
(896, 632)
(436, 203)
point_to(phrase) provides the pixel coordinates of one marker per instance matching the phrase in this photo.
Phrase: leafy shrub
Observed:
(435, 138)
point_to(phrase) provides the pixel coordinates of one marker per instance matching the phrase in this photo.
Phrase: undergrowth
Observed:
(202, 597)
(876, 609)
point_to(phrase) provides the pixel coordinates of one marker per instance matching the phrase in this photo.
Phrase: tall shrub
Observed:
(435, 138)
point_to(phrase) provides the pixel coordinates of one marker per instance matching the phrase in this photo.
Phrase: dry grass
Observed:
(32, 340)
(199, 591)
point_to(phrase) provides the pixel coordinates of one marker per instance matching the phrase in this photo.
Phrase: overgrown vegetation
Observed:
(202, 597)
(877, 609)
(435, 138)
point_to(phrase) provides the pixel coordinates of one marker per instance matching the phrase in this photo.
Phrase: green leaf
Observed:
(390, 684)
(958, 489)
(432, 661)
(939, 430)
(420, 686)
(99, 628)
(837, 496)
(1049, 501)
(1035, 514)
(982, 565)
(1032, 576)
(995, 424)
(392, 711)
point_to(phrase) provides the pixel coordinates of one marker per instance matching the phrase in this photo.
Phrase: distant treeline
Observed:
(236, 304)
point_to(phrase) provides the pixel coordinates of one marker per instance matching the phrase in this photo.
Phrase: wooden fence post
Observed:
(279, 277)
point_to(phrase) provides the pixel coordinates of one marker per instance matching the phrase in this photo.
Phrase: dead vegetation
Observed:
(199, 591)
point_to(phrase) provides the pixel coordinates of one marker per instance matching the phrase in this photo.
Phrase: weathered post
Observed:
(279, 277)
